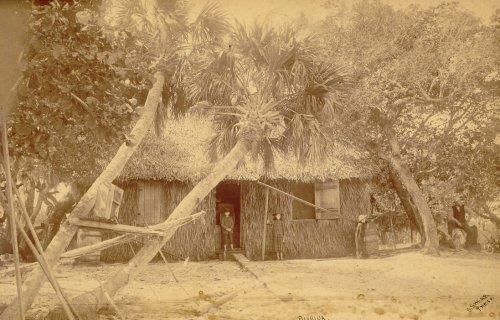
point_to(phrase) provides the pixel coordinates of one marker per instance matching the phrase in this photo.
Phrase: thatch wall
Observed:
(303, 238)
(199, 240)
(196, 240)
(126, 215)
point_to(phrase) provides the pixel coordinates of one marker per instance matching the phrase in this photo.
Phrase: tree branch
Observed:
(84, 105)
(420, 127)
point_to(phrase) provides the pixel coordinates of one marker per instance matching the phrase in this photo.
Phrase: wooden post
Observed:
(10, 208)
(48, 273)
(393, 232)
(40, 256)
(264, 234)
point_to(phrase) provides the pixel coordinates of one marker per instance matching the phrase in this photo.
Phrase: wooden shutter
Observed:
(116, 202)
(327, 195)
(108, 200)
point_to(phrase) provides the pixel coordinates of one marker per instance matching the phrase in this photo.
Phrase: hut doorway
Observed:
(228, 195)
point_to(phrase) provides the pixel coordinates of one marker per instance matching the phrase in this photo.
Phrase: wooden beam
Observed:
(114, 227)
(264, 234)
(335, 214)
(124, 238)
(113, 304)
(12, 213)
(78, 252)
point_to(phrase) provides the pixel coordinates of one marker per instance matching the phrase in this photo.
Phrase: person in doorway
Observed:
(278, 235)
(227, 225)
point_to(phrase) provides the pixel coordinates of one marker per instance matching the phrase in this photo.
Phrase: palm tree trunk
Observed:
(89, 303)
(66, 232)
(409, 192)
(410, 209)
(419, 203)
(39, 202)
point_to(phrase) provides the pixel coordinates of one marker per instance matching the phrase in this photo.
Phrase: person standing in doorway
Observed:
(227, 225)
(279, 232)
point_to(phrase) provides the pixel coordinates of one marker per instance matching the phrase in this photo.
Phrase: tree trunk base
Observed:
(431, 251)
(85, 310)
(90, 314)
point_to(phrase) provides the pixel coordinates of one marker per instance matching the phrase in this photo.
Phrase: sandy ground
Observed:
(404, 286)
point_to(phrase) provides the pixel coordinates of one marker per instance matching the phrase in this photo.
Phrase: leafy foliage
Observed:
(433, 75)
(87, 73)
(78, 91)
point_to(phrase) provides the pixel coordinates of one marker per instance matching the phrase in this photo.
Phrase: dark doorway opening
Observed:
(227, 195)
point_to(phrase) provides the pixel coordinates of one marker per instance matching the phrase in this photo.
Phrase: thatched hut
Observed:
(165, 169)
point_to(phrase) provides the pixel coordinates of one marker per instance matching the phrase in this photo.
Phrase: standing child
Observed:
(279, 232)
(227, 224)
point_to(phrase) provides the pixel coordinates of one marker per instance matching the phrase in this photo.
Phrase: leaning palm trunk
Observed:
(409, 192)
(66, 232)
(88, 303)
(416, 197)
(408, 205)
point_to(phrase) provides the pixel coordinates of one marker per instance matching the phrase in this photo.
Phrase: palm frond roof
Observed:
(180, 154)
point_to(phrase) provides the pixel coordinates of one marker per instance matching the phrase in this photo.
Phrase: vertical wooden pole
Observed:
(393, 232)
(358, 238)
(264, 233)
(10, 208)
(37, 250)
(48, 272)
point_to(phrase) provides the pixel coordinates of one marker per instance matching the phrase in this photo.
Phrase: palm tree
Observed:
(166, 39)
(266, 92)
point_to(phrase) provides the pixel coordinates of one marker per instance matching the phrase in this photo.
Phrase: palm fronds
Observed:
(293, 89)
(304, 136)
(325, 87)
(210, 26)
(145, 20)
(214, 77)
(258, 123)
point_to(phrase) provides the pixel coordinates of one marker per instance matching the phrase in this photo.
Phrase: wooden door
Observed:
(151, 203)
